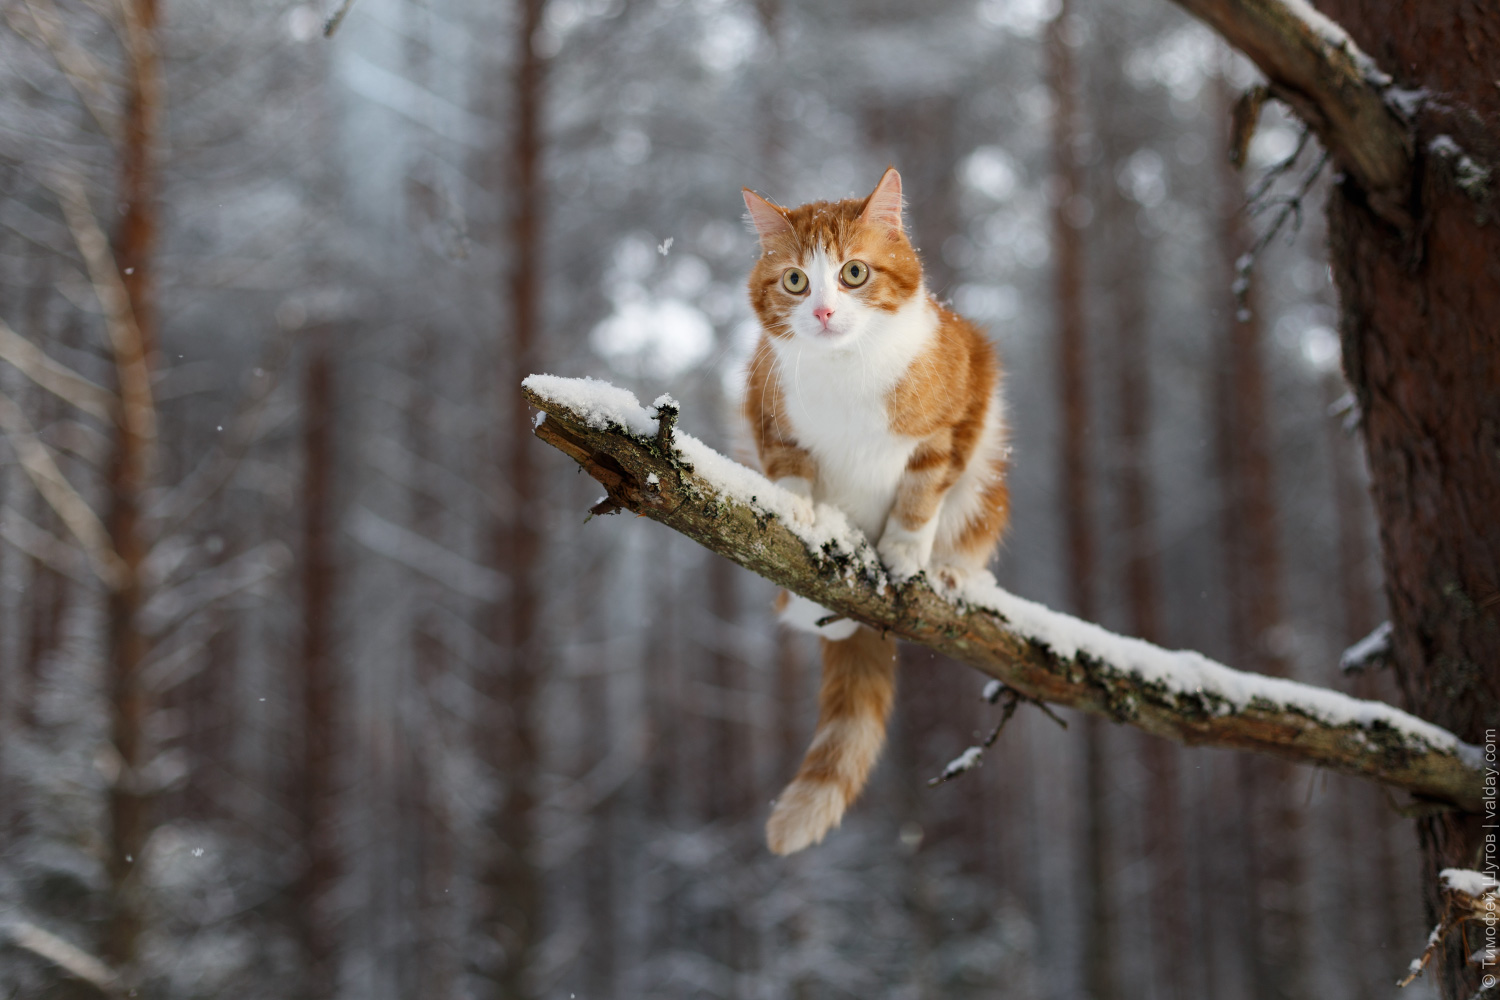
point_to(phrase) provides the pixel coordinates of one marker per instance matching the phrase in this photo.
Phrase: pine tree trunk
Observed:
(128, 479)
(1420, 325)
(314, 794)
(1274, 819)
(510, 879)
(1076, 485)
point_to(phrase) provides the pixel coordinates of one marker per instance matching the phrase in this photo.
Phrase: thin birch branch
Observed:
(86, 76)
(45, 547)
(54, 487)
(66, 956)
(1040, 653)
(132, 367)
(58, 379)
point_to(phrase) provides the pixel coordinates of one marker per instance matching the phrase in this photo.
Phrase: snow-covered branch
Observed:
(1314, 66)
(1041, 653)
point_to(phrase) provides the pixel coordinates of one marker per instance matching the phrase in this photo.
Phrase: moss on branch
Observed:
(644, 473)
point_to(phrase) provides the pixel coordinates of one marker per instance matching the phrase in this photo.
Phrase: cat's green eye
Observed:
(794, 281)
(855, 273)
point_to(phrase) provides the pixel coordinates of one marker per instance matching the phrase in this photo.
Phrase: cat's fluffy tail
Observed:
(859, 684)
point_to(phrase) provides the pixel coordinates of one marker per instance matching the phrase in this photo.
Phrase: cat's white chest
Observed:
(836, 404)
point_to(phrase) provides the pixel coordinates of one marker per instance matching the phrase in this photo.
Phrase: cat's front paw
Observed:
(905, 551)
(802, 509)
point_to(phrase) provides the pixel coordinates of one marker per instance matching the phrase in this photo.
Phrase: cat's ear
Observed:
(767, 219)
(883, 207)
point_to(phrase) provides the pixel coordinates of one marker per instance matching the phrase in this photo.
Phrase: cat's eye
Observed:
(794, 281)
(855, 273)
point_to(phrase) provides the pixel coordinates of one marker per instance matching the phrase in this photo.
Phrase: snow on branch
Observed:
(1315, 67)
(1042, 654)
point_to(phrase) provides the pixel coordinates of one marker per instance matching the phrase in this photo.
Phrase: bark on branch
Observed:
(1315, 67)
(1041, 653)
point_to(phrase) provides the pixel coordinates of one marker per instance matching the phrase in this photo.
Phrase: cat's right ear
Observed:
(767, 219)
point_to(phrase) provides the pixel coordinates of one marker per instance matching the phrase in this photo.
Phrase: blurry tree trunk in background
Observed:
(1076, 485)
(315, 791)
(130, 469)
(510, 880)
(1255, 595)
(1128, 276)
(1422, 352)
(426, 742)
(135, 240)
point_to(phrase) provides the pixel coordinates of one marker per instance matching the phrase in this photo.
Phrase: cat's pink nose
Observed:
(821, 313)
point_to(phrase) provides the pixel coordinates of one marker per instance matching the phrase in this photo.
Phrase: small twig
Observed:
(1290, 206)
(994, 692)
(829, 619)
(336, 18)
(1278, 168)
(666, 419)
(1244, 118)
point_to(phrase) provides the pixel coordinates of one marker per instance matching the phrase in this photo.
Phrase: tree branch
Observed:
(54, 487)
(1040, 653)
(1315, 67)
(58, 379)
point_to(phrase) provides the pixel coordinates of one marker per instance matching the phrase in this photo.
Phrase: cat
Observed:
(867, 394)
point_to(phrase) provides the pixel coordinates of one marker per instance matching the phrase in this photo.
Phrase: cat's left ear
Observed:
(883, 207)
(767, 219)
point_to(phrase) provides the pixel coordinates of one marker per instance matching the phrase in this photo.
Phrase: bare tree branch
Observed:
(1040, 653)
(60, 494)
(85, 75)
(137, 408)
(66, 956)
(58, 379)
(43, 545)
(1315, 67)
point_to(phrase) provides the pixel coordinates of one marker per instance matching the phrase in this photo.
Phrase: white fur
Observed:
(806, 810)
(801, 488)
(803, 615)
(836, 388)
(906, 552)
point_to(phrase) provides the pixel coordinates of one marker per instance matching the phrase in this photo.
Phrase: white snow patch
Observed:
(1190, 673)
(1467, 881)
(966, 761)
(992, 690)
(1372, 647)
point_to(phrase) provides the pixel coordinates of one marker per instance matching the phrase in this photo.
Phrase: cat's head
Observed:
(829, 271)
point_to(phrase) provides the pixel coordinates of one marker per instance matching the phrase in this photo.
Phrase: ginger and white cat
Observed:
(866, 394)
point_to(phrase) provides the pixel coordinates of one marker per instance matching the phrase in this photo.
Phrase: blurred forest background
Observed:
(314, 681)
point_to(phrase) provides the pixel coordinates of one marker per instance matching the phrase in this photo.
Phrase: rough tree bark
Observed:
(1415, 251)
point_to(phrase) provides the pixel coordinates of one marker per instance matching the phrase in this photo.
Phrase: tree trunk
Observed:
(1274, 819)
(1076, 485)
(510, 880)
(1421, 346)
(128, 478)
(315, 789)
